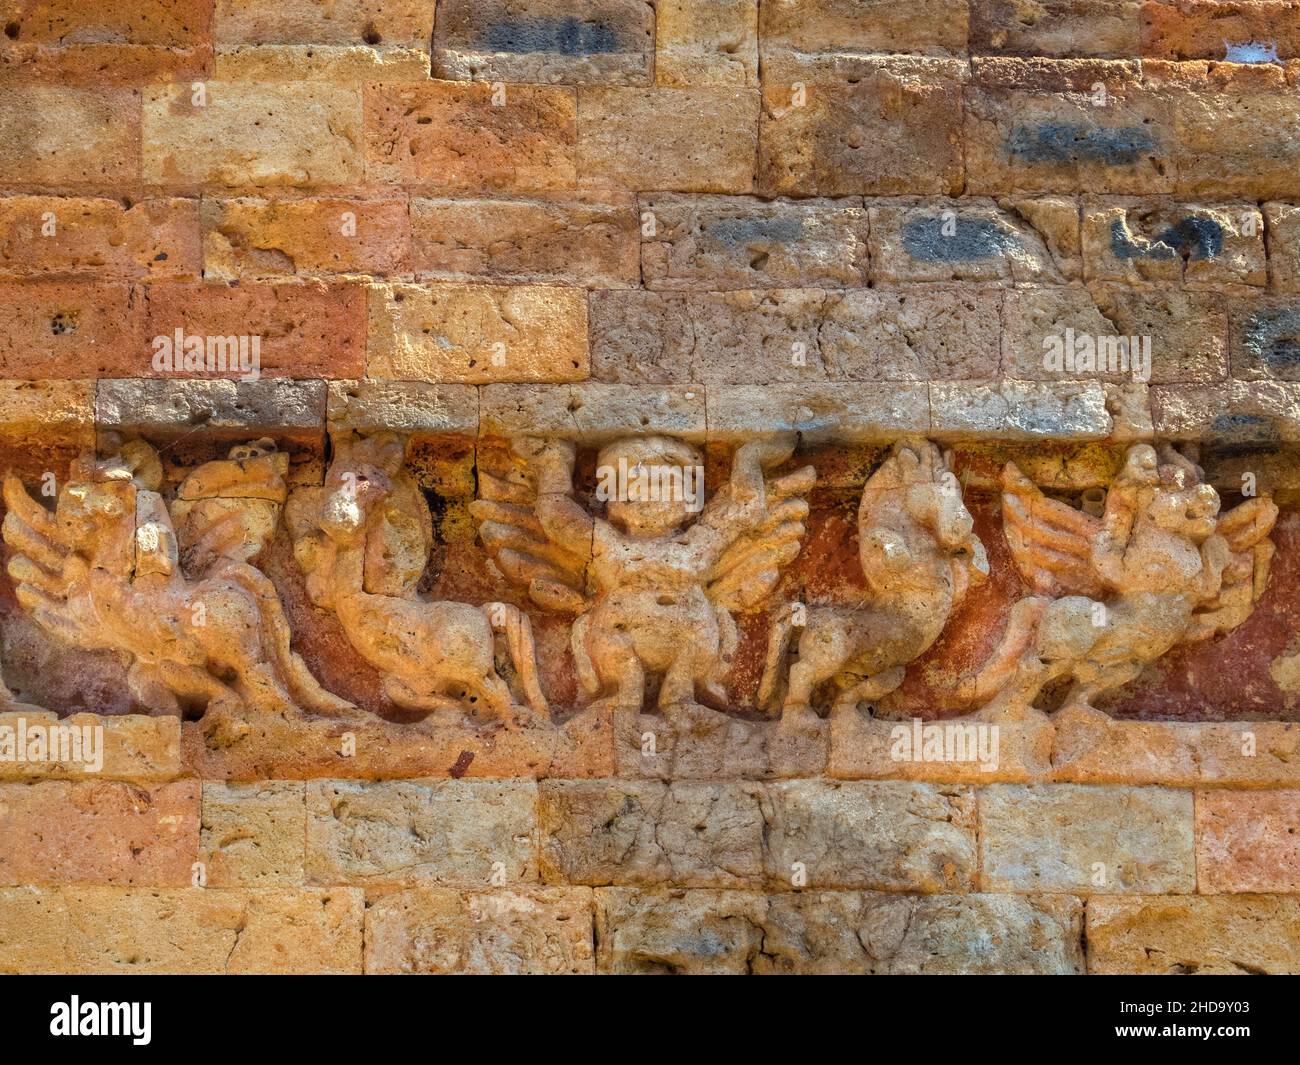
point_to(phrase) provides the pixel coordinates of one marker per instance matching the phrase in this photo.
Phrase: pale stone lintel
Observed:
(592, 411)
(194, 405)
(402, 407)
(135, 747)
(1020, 410)
(850, 412)
(1245, 413)
(1242, 754)
(56, 411)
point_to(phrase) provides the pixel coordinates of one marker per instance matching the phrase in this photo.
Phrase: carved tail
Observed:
(305, 689)
(523, 652)
(778, 648)
(998, 671)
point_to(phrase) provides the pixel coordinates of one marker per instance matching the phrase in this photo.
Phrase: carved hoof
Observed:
(799, 717)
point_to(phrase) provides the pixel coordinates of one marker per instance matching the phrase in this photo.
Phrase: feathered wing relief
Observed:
(919, 555)
(198, 625)
(653, 590)
(363, 539)
(1158, 567)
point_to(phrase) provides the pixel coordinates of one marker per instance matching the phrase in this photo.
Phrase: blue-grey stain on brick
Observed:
(1273, 337)
(568, 36)
(1070, 142)
(970, 239)
(738, 231)
(1232, 435)
(1196, 238)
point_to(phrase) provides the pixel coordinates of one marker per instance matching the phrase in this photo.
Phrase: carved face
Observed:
(667, 471)
(1192, 513)
(351, 490)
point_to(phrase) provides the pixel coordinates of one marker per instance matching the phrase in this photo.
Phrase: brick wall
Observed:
(716, 219)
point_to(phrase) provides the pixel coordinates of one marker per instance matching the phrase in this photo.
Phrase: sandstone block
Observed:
(1283, 225)
(59, 236)
(1020, 410)
(539, 931)
(250, 237)
(670, 140)
(221, 407)
(354, 66)
(98, 832)
(706, 42)
(646, 833)
(408, 406)
(543, 41)
(38, 415)
(928, 27)
(852, 932)
(964, 240)
(476, 334)
(245, 134)
(1189, 328)
(453, 135)
(720, 242)
(685, 932)
(820, 412)
(878, 131)
(395, 832)
(308, 329)
(253, 834)
(1238, 31)
(1086, 840)
(881, 835)
(61, 329)
(1247, 841)
(60, 135)
(189, 930)
(581, 242)
(1107, 28)
(1263, 338)
(1136, 241)
(374, 23)
(1224, 934)
(591, 411)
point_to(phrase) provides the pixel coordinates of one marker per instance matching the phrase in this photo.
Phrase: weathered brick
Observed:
(1086, 840)
(881, 835)
(966, 240)
(647, 833)
(451, 135)
(1283, 229)
(683, 932)
(539, 931)
(55, 236)
(250, 237)
(191, 930)
(794, 335)
(467, 832)
(1239, 31)
(875, 129)
(583, 241)
(246, 134)
(723, 242)
(1107, 28)
(924, 27)
(354, 66)
(477, 333)
(51, 329)
(98, 832)
(1158, 242)
(374, 23)
(1247, 841)
(672, 140)
(253, 834)
(706, 42)
(851, 932)
(1034, 126)
(69, 137)
(308, 329)
(544, 41)
(1226, 934)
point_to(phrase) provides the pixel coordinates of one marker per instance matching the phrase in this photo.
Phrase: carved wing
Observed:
(42, 563)
(1245, 529)
(1050, 541)
(553, 573)
(750, 567)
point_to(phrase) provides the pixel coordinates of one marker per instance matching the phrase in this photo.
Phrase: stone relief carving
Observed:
(654, 592)
(653, 585)
(1157, 567)
(363, 540)
(172, 591)
(919, 555)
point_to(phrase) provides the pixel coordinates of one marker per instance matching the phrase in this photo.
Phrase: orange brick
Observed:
(309, 329)
(62, 136)
(1248, 841)
(450, 135)
(52, 329)
(98, 832)
(52, 236)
